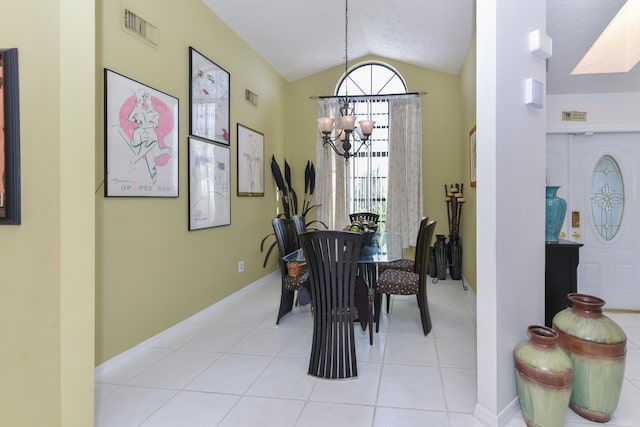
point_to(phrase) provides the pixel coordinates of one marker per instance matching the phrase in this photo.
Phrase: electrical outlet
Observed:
(240, 266)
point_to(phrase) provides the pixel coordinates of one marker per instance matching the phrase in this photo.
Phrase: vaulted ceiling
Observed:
(300, 38)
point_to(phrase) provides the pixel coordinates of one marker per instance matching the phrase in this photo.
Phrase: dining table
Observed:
(380, 248)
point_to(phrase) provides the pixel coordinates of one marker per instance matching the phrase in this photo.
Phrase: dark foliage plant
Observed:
(289, 198)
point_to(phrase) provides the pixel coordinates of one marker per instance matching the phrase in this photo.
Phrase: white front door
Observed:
(602, 214)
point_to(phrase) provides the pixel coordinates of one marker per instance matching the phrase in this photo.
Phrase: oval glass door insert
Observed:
(607, 197)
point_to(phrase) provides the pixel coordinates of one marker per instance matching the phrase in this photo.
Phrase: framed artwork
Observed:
(472, 156)
(209, 99)
(141, 139)
(250, 162)
(209, 185)
(10, 212)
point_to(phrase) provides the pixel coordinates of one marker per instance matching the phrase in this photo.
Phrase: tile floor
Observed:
(230, 365)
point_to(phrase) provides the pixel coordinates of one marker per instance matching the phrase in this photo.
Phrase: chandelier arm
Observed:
(363, 143)
(329, 141)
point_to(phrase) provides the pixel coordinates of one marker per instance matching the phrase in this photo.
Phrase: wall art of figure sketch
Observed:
(209, 98)
(250, 162)
(141, 139)
(209, 185)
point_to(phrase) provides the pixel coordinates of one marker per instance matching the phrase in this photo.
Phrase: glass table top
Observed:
(384, 247)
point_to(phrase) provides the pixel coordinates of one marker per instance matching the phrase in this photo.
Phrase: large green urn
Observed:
(597, 347)
(544, 375)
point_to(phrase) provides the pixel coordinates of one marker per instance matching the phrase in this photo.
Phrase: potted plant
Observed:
(289, 199)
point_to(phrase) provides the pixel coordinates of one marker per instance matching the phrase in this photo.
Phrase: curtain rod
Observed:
(371, 96)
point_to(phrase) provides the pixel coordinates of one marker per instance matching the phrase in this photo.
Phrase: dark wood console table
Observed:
(560, 277)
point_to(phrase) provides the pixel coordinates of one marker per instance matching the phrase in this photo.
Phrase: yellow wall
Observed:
(468, 120)
(151, 271)
(441, 127)
(47, 262)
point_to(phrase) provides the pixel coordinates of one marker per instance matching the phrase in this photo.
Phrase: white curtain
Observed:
(332, 192)
(404, 198)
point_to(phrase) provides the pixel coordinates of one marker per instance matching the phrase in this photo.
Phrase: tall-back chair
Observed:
(368, 216)
(406, 264)
(412, 282)
(287, 238)
(301, 225)
(332, 262)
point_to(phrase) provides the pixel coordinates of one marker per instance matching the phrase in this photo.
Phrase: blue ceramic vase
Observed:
(555, 213)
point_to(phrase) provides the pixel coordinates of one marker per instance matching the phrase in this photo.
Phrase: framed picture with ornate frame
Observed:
(10, 211)
(250, 162)
(209, 185)
(141, 139)
(208, 99)
(473, 158)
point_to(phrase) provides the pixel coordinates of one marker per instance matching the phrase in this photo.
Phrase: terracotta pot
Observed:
(597, 347)
(544, 375)
(296, 269)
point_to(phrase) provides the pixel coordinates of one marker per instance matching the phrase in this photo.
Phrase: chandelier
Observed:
(348, 135)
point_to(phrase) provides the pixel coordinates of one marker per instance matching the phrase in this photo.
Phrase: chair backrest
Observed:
(368, 216)
(422, 263)
(286, 236)
(419, 248)
(332, 262)
(423, 277)
(300, 223)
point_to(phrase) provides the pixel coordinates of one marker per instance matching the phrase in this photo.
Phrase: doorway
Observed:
(598, 178)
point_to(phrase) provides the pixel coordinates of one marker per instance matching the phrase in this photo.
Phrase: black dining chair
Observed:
(368, 216)
(405, 264)
(300, 223)
(332, 262)
(287, 238)
(400, 282)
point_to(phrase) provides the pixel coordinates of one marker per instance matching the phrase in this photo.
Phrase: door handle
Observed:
(563, 235)
(575, 234)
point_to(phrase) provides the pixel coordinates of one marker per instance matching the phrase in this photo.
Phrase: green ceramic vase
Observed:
(544, 375)
(597, 347)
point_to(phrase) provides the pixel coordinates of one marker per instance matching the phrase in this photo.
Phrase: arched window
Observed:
(366, 86)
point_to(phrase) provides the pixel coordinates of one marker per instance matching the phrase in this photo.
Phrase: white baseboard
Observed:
(124, 357)
(501, 419)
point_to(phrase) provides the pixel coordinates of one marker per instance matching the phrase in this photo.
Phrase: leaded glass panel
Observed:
(607, 197)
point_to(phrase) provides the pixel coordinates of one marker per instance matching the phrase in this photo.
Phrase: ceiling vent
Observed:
(139, 27)
(251, 97)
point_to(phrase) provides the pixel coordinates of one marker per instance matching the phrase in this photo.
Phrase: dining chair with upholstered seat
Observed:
(287, 238)
(405, 264)
(400, 282)
(368, 216)
(332, 263)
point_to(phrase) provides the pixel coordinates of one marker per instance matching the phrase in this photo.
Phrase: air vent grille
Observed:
(140, 27)
(251, 97)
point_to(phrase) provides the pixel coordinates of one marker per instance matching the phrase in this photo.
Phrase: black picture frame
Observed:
(209, 184)
(10, 211)
(141, 139)
(209, 100)
(250, 161)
